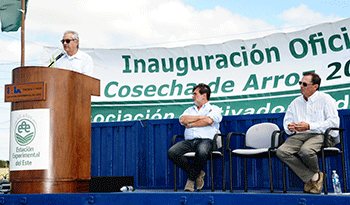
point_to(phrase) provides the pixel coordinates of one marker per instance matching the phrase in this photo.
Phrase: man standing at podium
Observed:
(74, 59)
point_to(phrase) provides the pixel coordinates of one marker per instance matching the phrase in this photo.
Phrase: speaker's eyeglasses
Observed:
(66, 40)
(304, 84)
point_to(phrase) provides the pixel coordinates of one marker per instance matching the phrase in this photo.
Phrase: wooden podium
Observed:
(68, 96)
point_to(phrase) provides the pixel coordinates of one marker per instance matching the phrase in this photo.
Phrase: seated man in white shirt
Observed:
(202, 122)
(74, 59)
(308, 117)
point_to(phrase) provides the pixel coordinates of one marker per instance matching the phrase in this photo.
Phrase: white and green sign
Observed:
(252, 76)
(29, 143)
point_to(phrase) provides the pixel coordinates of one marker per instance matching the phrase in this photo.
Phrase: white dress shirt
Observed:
(208, 132)
(80, 62)
(320, 112)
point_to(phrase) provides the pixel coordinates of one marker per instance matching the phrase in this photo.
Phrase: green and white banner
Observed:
(246, 76)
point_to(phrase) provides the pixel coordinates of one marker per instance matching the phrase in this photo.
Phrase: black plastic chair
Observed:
(331, 151)
(215, 154)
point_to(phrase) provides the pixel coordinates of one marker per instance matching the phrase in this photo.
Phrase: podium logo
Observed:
(25, 132)
(14, 90)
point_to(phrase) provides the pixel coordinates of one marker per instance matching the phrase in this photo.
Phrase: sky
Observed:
(138, 24)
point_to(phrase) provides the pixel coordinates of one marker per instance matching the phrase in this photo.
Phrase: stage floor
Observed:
(169, 197)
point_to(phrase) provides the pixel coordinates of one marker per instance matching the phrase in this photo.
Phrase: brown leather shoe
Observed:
(200, 181)
(189, 185)
(318, 185)
(308, 186)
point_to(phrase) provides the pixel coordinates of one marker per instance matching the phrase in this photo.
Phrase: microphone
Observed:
(57, 57)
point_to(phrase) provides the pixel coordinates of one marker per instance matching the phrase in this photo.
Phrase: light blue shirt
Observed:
(208, 132)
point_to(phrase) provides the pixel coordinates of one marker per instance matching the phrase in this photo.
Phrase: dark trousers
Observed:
(201, 147)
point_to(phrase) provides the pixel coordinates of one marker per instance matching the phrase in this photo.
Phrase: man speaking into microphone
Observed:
(74, 59)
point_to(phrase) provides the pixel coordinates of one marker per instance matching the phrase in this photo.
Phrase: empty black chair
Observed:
(331, 151)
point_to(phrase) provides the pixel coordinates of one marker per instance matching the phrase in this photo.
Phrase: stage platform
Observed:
(139, 149)
(169, 197)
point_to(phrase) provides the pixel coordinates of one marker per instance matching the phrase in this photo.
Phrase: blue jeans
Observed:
(202, 147)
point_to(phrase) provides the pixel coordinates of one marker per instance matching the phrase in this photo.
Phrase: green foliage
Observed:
(51, 60)
(4, 164)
